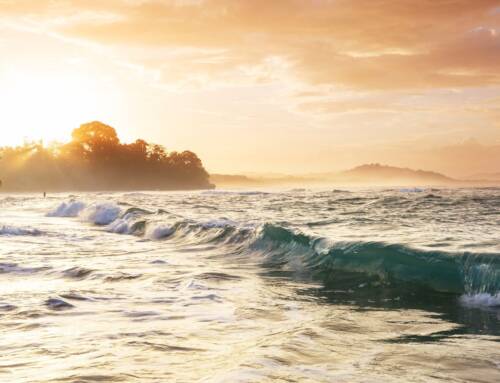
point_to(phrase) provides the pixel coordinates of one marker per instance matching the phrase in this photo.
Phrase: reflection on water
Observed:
(174, 291)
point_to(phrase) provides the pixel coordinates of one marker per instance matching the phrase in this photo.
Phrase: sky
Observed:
(266, 86)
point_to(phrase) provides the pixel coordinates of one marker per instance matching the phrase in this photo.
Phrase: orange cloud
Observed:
(373, 44)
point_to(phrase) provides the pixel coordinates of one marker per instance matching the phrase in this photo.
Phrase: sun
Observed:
(45, 105)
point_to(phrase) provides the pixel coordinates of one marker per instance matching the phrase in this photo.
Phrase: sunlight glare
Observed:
(45, 106)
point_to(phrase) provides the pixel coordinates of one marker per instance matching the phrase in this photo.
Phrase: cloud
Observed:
(368, 44)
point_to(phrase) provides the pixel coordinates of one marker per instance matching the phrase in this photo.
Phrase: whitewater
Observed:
(299, 285)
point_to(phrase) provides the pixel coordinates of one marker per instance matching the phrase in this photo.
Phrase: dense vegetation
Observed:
(95, 159)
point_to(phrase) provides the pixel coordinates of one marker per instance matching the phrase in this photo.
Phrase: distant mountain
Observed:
(364, 175)
(383, 174)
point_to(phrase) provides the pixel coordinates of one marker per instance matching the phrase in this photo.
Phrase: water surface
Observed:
(250, 286)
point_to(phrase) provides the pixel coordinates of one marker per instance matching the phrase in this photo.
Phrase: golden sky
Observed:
(262, 85)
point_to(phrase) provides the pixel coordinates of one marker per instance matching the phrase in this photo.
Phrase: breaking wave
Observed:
(67, 209)
(475, 276)
(480, 300)
(101, 213)
(383, 263)
(159, 231)
(14, 231)
(459, 273)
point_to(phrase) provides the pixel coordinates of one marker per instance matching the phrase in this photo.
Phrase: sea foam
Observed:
(101, 214)
(120, 226)
(67, 209)
(159, 231)
(12, 230)
(218, 223)
(480, 300)
(97, 213)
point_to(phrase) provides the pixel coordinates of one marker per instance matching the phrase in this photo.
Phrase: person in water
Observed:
(44, 194)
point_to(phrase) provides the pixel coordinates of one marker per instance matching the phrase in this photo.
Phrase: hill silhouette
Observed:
(363, 175)
(384, 174)
(95, 159)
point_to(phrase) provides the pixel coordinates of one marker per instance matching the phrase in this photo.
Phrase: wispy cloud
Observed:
(314, 70)
(375, 44)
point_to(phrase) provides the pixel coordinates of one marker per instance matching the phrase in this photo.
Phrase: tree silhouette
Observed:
(95, 159)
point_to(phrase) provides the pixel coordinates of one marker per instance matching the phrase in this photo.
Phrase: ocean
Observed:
(300, 285)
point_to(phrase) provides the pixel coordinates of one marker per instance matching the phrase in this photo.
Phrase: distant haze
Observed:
(368, 175)
(296, 87)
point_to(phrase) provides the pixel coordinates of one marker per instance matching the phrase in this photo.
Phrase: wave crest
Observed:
(480, 300)
(67, 209)
(459, 273)
(102, 214)
(352, 262)
(15, 231)
(159, 231)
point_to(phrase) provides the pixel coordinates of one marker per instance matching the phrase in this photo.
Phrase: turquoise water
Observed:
(251, 286)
